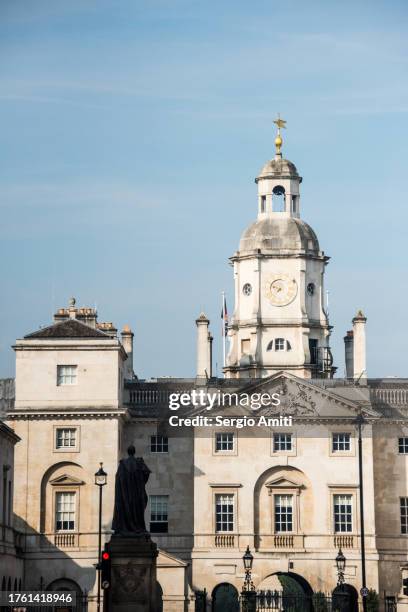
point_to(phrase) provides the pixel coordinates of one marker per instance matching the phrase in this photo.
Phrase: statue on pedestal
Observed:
(130, 496)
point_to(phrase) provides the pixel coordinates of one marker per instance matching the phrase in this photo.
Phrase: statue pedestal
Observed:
(133, 575)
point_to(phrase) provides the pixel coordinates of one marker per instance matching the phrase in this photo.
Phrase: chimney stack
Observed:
(348, 353)
(359, 347)
(203, 350)
(72, 310)
(127, 343)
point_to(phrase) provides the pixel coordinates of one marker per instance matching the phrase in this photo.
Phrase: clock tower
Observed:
(279, 321)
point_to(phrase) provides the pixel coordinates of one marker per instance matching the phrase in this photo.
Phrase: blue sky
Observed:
(130, 136)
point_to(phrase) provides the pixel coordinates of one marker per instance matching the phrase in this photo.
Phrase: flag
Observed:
(224, 317)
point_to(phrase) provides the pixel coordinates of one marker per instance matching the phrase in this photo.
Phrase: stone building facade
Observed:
(11, 563)
(289, 491)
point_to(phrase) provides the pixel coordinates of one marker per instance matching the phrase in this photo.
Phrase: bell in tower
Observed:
(279, 321)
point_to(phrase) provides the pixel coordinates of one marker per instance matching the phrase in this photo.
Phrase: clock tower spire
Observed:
(279, 321)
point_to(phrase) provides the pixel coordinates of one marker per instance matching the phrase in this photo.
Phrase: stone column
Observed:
(359, 348)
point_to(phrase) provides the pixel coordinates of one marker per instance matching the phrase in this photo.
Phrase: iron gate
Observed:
(201, 601)
(81, 605)
(390, 604)
(278, 601)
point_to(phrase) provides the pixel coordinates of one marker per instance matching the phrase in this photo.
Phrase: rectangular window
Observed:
(279, 344)
(159, 444)
(313, 349)
(65, 511)
(282, 442)
(404, 514)
(283, 513)
(263, 204)
(9, 502)
(403, 446)
(224, 442)
(341, 442)
(4, 517)
(224, 512)
(343, 513)
(159, 513)
(66, 375)
(65, 437)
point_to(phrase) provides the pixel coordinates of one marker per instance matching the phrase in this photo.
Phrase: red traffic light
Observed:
(105, 556)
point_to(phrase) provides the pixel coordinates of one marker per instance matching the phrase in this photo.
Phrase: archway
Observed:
(345, 598)
(290, 580)
(286, 581)
(65, 584)
(287, 591)
(225, 597)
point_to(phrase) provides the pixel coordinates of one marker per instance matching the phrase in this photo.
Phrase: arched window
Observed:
(15, 584)
(19, 585)
(278, 199)
(9, 584)
(3, 584)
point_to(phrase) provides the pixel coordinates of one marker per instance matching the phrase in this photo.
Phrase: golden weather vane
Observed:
(281, 123)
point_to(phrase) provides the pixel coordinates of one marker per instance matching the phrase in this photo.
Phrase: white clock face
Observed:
(280, 289)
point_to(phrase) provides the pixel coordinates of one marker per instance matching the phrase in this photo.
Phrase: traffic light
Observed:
(105, 570)
(405, 586)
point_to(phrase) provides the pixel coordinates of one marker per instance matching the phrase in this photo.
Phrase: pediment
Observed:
(283, 483)
(164, 559)
(299, 398)
(66, 480)
(302, 398)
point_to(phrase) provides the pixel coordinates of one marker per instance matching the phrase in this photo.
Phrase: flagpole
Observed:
(223, 329)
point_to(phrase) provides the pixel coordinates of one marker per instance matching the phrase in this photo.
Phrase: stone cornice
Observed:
(225, 485)
(342, 486)
(313, 324)
(65, 413)
(238, 256)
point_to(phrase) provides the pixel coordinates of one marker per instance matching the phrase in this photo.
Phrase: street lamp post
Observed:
(101, 478)
(248, 589)
(248, 560)
(359, 422)
(341, 565)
